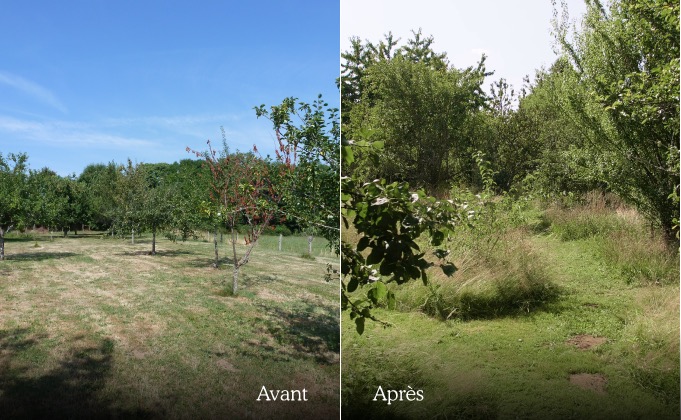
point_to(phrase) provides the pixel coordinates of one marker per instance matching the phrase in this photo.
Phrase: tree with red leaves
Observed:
(244, 192)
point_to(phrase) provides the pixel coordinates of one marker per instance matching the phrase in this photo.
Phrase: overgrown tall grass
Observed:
(624, 239)
(499, 274)
(511, 280)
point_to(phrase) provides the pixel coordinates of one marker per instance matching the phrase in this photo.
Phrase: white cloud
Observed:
(68, 134)
(32, 89)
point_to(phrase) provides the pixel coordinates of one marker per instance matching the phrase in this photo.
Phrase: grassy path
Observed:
(603, 350)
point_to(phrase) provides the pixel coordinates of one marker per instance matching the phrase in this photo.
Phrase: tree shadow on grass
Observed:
(224, 262)
(159, 253)
(254, 282)
(39, 256)
(69, 390)
(305, 330)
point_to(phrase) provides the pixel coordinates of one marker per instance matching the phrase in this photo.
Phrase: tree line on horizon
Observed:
(216, 190)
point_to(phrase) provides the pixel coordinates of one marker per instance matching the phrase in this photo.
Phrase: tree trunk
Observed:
(3, 232)
(281, 237)
(133, 236)
(153, 242)
(310, 238)
(235, 279)
(66, 230)
(215, 243)
(235, 274)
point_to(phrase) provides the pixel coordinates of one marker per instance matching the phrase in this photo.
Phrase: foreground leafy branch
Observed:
(389, 218)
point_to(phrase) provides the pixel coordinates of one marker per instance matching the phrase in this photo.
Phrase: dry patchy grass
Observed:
(96, 327)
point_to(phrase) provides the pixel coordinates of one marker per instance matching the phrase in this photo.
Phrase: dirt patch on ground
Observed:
(273, 295)
(586, 342)
(226, 365)
(591, 381)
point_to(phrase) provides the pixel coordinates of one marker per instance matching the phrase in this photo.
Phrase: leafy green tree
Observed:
(47, 203)
(416, 104)
(362, 56)
(309, 134)
(72, 211)
(99, 180)
(157, 211)
(419, 113)
(145, 202)
(129, 195)
(626, 56)
(13, 195)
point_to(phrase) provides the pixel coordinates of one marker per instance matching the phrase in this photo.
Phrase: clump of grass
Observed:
(307, 256)
(650, 338)
(623, 238)
(510, 281)
(641, 258)
(595, 217)
(581, 223)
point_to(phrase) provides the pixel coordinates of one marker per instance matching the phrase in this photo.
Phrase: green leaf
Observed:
(380, 290)
(363, 243)
(359, 325)
(376, 256)
(391, 300)
(352, 284)
(346, 155)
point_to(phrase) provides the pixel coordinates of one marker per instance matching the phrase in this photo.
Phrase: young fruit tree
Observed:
(244, 194)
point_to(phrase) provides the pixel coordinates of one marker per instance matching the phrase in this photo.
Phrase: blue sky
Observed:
(93, 81)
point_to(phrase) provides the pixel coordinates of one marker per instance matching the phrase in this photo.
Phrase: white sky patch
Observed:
(32, 89)
(516, 36)
(478, 52)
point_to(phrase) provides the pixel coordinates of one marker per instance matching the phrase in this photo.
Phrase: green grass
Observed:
(93, 327)
(501, 359)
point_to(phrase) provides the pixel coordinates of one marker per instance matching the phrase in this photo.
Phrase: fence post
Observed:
(280, 239)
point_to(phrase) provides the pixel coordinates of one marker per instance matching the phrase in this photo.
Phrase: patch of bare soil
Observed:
(139, 354)
(226, 365)
(591, 381)
(272, 295)
(586, 342)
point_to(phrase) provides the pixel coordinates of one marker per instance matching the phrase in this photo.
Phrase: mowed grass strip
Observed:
(94, 326)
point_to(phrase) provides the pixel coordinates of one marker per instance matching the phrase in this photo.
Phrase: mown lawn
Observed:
(95, 327)
(606, 348)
